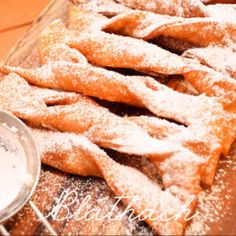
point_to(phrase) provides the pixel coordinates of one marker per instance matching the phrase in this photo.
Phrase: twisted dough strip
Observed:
(66, 152)
(124, 54)
(116, 51)
(134, 90)
(75, 154)
(198, 31)
(208, 125)
(220, 59)
(212, 128)
(187, 137)
(25, 101)
(111, 8)
(75, 113)
(29, 103)
(184, 8)
(175, 33)
(52, 49)
(106, 7)
(58, 76)
(216, 129)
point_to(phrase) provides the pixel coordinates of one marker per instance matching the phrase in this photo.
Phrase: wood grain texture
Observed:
(52, 182)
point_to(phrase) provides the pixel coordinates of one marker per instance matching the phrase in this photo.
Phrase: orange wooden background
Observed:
(15, 18)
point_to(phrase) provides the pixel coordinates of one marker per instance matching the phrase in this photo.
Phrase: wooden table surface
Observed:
(16, 16)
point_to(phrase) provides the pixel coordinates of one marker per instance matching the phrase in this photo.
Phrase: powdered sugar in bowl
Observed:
(19, 165)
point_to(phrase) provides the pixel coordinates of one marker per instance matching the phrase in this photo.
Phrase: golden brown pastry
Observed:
(185, 148)
(190, 138)
(79, 76)
(197, 31)
(112, 50)
(220, 59)
(72, 112)
(175, 33)
(184, 8)
(111, 8)
(66, 151)
(75, 154)
(205, 112)
(52, 48)
(106, 7)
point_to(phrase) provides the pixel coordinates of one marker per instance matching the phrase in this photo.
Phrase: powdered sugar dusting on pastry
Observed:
(185, 8)
(224, 12)
(146, 25)
(220, 59)
(215, 204)
(181, 151)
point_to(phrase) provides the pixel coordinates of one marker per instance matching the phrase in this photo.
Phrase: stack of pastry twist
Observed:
(117, 51)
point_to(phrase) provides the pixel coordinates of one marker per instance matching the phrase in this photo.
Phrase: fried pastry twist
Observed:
(76, 154)
(111, 8)
(210, 128)
(187, 137)
(72, 112)
(220, 59)
(175, 33)
(184, 8)
(79, 76)
(197, 31)
(106, 7)
(96, 45)
(202, 122)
